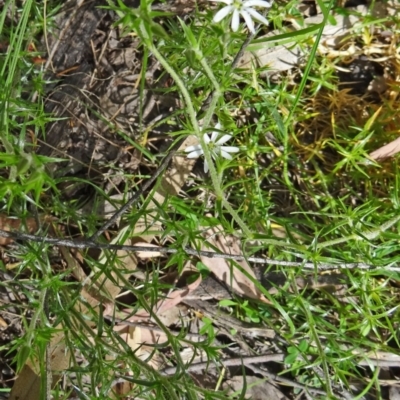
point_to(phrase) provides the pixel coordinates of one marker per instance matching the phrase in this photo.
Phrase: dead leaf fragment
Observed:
(257, 389)
(3, 323)
(387, 150)
(225, 270)
(173, 299)
(28, 384)
(13, 224)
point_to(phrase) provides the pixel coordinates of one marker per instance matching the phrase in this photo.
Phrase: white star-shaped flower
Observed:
(244, 8)
(215, 147)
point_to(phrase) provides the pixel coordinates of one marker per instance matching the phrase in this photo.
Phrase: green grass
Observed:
(303, 171)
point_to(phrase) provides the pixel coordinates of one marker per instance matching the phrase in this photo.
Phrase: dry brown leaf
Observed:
(120, 390)
(13, 224)
(138, 337)
(163, 310)
(132, 336)
(27, 384)
(225, 270)
(171, 316)
(257, 389)
(3, 323)
(172, 300)
(387, 150)
(143, 336)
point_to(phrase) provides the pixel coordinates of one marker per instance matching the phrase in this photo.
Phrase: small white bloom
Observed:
(215, 146)
(244, 8)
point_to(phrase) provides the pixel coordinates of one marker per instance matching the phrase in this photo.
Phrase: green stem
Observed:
(320, 347)
(181, 85)
(192, 115)
(369, 235)
(210, 74)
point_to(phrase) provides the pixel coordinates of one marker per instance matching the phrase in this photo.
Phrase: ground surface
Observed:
(115, 323)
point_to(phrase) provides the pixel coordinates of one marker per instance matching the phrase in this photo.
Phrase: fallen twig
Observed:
(86, 244)
(231, 362)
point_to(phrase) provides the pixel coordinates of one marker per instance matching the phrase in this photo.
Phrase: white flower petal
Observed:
(235, 20)
(215, 147)
(256, 3)
(192, 148)
(195, 154)
(222, 13)
(214, 136)
(223, 1)
(223, 139)
(230, 149)
(205, 166)
(257, 16)
(248, 20)
(226, 155)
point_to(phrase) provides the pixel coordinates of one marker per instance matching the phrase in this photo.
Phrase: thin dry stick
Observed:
(240, 53)
(231, 362)
(86, 244)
